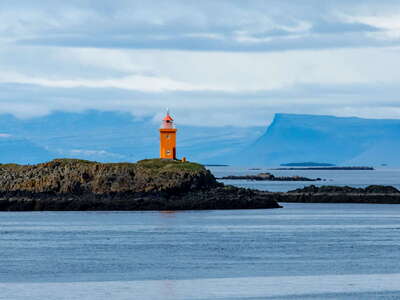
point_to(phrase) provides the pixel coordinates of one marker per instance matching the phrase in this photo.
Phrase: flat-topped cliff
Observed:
(341, 141)
(156, 184)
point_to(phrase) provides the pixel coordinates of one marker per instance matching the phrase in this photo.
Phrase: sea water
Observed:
(354, 178)
(303, 251)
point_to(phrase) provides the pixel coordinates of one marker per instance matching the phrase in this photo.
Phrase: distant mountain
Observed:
(116, 136)
(328, 139)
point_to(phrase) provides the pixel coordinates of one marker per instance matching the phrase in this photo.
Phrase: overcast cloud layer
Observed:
(215, 62)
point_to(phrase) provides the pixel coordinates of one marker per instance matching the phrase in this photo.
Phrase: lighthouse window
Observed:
(167, 136)
(168, 152)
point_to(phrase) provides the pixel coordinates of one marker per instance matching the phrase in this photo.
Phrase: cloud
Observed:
(206, 25)
(215, 59)
(168, 71)
(136, 83)
(213, 108)
(94, 153)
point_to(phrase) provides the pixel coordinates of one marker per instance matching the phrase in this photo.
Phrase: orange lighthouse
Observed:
(168, 138)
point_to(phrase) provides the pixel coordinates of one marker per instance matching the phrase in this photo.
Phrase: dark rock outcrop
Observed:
(66, 184)
(376, 194)
(372, 189)
(268, 177)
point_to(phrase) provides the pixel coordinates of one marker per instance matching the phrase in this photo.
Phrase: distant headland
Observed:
(330, 168)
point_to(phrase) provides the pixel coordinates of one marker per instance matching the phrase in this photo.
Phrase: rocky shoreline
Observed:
(227, 197)
(224, 197)
(71, 185)
(75, 185)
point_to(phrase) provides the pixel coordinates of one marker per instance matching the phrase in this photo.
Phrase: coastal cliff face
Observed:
(66, 176)
(68, 184)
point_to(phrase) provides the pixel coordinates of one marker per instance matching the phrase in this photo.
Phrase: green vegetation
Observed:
(170, 165)
(10, 166)
(71, 161)
(154, 165)
(78, 177)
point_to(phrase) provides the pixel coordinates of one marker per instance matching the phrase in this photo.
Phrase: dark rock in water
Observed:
(268, 177)
(226, 197)
(376, 194)
(66, 184)
(372, 189)
(380, 189)
(223, 197)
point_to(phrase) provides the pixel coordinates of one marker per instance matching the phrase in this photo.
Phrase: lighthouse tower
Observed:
(168, 138)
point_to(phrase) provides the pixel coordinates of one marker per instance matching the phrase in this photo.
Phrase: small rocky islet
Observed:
(268, 177)
(153, 184)
(376, 194)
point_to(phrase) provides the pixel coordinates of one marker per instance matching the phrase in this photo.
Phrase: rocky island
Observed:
(377, 194)
(268, 177)
(155, 184)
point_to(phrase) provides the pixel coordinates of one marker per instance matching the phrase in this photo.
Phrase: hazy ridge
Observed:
(114, 136)
(328, 139)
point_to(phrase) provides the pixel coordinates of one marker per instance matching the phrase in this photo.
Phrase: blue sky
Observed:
(215, 62)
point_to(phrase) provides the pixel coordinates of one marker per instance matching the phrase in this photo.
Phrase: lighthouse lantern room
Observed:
(168, 138)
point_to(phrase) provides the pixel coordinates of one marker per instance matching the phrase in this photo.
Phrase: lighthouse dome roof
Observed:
(168, 118)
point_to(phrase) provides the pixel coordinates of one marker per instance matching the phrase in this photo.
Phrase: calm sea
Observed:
(303, 251)
(363, 178)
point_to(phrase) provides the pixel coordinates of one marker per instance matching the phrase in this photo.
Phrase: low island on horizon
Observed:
(307, 164)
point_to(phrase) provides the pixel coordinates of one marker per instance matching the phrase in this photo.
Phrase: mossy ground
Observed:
(168, 164)
(155, 164)
(73, 176)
